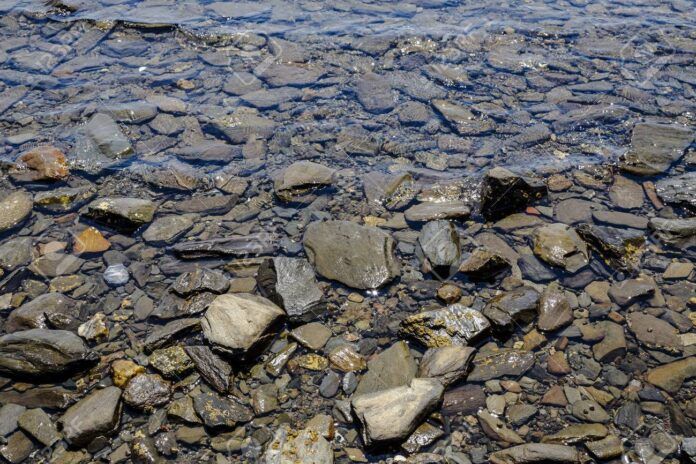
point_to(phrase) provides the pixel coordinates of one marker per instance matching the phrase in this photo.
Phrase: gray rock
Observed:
(392, 415)
(561, 246)
(463, 121)
(279, 75)
(590, 411)
(18, 448)
(303, 447)
(620, 248)
(626, 194)
(448, 364)
(439, 242)
(301, 178)
(619, 219)
(146, 391)
(292, 285)
(374, 92)
(496, 428)
(220, 412)
(9, 414)
(166, 230)
(678, 190)
(15, 208)
(41, 352)
(484, 265)
(680, 233)
(655, 147)
(56, 264)
(395, 191)
(516, 306)
(63, 199)
(39, 425)
(504, 193)
(100, 144)
(236, 323)
(116, 275)
(503, 363)
(267, 99)
(15, 252)
(122, 213)
(612, 345)
(629, 291)
(357, 256)
(50, 310)
(163, 336)
(135, 112)
(654, 333)
(200, 280)
(453, 325)
(392, 367)
(554, 309)
(536, 453)
(212, 368)
(431, 211)
(236, 246)
(241, 126)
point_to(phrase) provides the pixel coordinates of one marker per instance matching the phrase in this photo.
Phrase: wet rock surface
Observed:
(430, 232)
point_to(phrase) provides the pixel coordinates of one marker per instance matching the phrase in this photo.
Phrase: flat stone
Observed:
(484, 264)
(40, 397)
(232, 246)
(607, 448)
(166, 230)
(504, 192)
(97, 414)
(50, 310)
(18, 448)
(612, 345)
(90, 240)
(626, 194)
(629, 291)
(291, 284)
(559, 245)
(42, 352)
(344, 358)
(313, 335)
(241, 126)
(147, 391)
(357, 256)
(448, 364)
(619, 219)
(453, 325)
(653, 332)
(122, 213)
(200, 280)
(172, 362)
(100, 144)
(236, 323)
(134, 112)
(15, 208)
(503, 363)
(15, 253)
(9, 415)
(439, 243)
(575, 210)
(554, 309)
(463, 121)
(279, 75)
(536, 453)
(42, 163)
(394, 191)
(215, 370)
(374, 92)
(39, 425)
(122, 370)
(63, 199)
(620, 248)
(52, 265)
(679, 233)
(432, 211)
(163, 336)
(516, 306)
(670, 377)
(590, 411)
(303, 447)
(678, 190)
(393, 414)
(220, 412)
(464, 400)
(577, 433)
(301, 178)
(655, 147)
(392, 367)
(496, 428)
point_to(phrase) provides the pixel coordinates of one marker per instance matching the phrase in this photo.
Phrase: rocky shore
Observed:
(383, 249)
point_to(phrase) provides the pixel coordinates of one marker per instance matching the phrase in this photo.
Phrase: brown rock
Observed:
(90, 240)
(45, 163)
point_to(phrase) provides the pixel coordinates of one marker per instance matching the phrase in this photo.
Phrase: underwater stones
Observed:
(15, 208)
(671, 376)
(676, 232)
(554, 309)
(559, 245)
(653, 332)
(301, 178)
(122, 213)
(292, 285)
(678, 190)
(63, 199)
(518, 305)
(357, 256)
(90, 240)
(50, 310)
(629, 291)
(101, 144)
(43, 352)
(97, 414)
(620, 248)
(439, 243)
(220, 412)
(374, 92)
(236, 323)
(393, 367)
(484, 264)
(241, 126)
(395, 192)
(453, 325)
(392, 415)
(463, 121)
(200, 280)
(655, 147)
(448, 364)
(503, 363)
(43, 163)
(537, 453)
(504, 193)
(168, 229)
(147, 391)
(305, 446)
(432, 211)
(215, 370)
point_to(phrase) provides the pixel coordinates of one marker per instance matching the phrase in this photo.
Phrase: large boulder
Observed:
(238, 323)
(392, 415)
(98, 414)
(357, 256)
(42, 352)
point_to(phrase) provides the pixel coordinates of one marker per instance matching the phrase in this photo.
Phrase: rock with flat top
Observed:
(536, 453)
(655, 147)
(453, 325)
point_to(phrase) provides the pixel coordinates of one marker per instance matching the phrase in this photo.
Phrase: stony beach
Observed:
(301, 233)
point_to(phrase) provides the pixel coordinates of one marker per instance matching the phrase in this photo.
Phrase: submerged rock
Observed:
(392, 415)
(448, 364)
(554, 309)
(620, 248)
(215, 370)
(236, 246)
(501, 363)
(678, 190)
(292, 285)
(655, 147)
(432, 211)
(48, 311)
(100, 144)
(392, 367)
(484, 264)
(15, 208)
(504, 193)
(97, 414)
(42, 352)
(63, 199)
(122, 213)
(200, 280)
(536, 453)
(146, 391)
(439, 243)
(220, 412)
(236, 323)
(168, 229)
(680, 233)
(301, 178)
(654, 333)
(516, 306)
(357, 256)
(559, 245)
(453, 325)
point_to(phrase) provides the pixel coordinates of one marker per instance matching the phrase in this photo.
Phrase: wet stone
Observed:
(392, 367)
(18, 448)
(654, 333)
(532, 453)
(496, 428)
(292, 285)
(99, 413)
(439, 243)
(63, 199)
(620, 248)
(554, 309)
(655, 147)
(122, 213)
(147, 391)
(453, 325)
(233, 246)
(375, 94)
(15, 252)
(215, 370)
(590, 411)
(612, 345)
(39, 425)
(172, 362)
(504, 363)
(561, 246)
(679, 233)
(43, 163)
(484, 264)
(447, 364)
(516, 306)
(50, 310)
(300, 178)
(15, 208)
(9, 414)
(357, 256)
(220, 412)
(427, 211)
(504, 193)
(629, 291)
(101, 144)
(200, 280)
(678, 190)
(313, 335)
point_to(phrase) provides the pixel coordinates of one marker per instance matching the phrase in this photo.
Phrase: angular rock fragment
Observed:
(496, 429)
(620, 248)
(100, 144)
(654, 333)
(168, 229)
(484, 264)
(630, 291)
(678, 190)
(163, 336)
(172, 362)
(395, 192)
(561, 246)
(234, 246)
(236, 323)
(432, 211)
(43, 163)
(215, 370)
(463, 121)
(453, 325)
(357, 256)
(680, 233)
(504, 193)
(39, 425)
(392, 367)
(375, 93)
(242, 126)
(97, 414)
(439, 243)
(146, 391)
(15, 208)
(670, 377)
(220, 412)
(15, 253)
(612, 345)
(63, 199)
(501, 363)
(448, 364)
(554, 309)
(121, 213)
(42, 352)
(655, 147)
(516, 306)
(392, 415)
(305, 446)
(291, 284)
(200, 280)
(301, 178)
(577, 433)
(537, 453)
(48, 311)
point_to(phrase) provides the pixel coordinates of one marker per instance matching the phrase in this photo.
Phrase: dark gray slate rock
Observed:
(680, 233)
(357, 256)
(439, 242)
(504, 192)
(200, 280)
(220, 412)
(453, 325)
(431, 211)
(212, 368)
(122, 213)
(235, 246)
(621, 248)
(63, 199)
(168, 229)
(48, 311)
(484, 264)
(146, 391)
(516, 306)
(291, 284)
(537, 453)
(554, 309)
(375, 93)
(100, 145)
(41, 352)
(655, 147)
(503, 363)
(39, 425)
(163, 336)
(678, 190)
